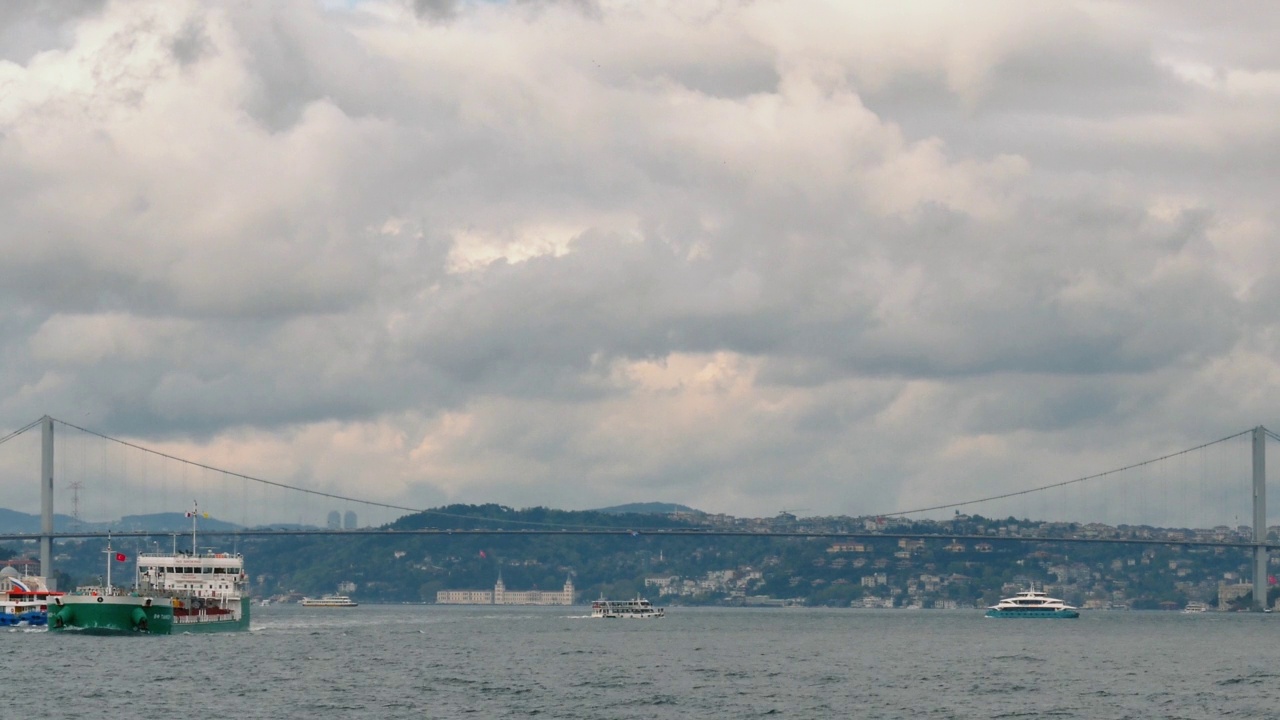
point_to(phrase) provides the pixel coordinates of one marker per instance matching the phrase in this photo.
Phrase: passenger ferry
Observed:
(24, 599)
(1195, 607)
(334, 601)
(637, 609)
(1032, 604)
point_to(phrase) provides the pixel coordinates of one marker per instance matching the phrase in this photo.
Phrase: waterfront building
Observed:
(1228, 593)
(464, 597)
(500, 595)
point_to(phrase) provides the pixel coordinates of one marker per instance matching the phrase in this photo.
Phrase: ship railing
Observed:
(101, 590)
(184, 554)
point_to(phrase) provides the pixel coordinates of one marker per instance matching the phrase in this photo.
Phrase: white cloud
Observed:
(744, 256)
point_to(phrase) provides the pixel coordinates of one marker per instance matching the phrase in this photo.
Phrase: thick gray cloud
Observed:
(745, 256)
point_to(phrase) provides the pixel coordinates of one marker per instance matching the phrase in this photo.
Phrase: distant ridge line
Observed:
(647, 508)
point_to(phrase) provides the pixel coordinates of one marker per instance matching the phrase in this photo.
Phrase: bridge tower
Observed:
(46, 500)
(1260, 518)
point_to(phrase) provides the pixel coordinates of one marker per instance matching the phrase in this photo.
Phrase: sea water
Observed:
(514, 662)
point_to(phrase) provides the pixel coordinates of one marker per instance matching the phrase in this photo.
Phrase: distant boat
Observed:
(1031, 604)
(638, 609)
(1195, 607)
(332, 601)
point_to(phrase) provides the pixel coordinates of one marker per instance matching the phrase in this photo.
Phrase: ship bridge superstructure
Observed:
(210, 575)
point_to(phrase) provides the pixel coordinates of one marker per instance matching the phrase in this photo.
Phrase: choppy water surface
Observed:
(444, 662)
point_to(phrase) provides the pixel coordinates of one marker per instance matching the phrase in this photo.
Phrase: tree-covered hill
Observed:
(530, 550)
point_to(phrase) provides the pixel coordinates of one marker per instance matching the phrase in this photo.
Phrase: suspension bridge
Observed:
(1211, 494)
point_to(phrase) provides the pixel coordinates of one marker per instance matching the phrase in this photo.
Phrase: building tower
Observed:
(499, 591)
(335, 520)
(566, 597)
(349, 520)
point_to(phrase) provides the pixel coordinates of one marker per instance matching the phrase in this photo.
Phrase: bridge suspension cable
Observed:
(231, 473)
(531, 523)
(334, 496)
(1065, 483)
(18, 432)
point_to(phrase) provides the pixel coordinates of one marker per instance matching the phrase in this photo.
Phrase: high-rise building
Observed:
(349, 520)
(335, 520)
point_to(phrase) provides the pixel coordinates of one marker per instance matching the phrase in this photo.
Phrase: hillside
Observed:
(648, 508)
(529, 550)
(12, 521)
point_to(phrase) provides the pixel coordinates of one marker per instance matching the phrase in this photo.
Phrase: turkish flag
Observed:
(120, 557)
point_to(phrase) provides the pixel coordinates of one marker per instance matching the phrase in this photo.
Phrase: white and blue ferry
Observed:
(1032, 604)
(24, 599)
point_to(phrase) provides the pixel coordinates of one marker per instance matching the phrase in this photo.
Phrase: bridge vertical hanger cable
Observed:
(1125, 510)
(147, 479)
(1182, 499)
(1164, 496)
(1201, 500)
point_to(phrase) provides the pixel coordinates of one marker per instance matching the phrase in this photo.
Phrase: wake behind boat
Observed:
(1032, 604)
(638, 609)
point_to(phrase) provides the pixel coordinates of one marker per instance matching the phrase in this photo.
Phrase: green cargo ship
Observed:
(120, 610)
(172, 593)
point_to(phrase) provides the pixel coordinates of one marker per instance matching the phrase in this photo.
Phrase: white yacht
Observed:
(1032, 604)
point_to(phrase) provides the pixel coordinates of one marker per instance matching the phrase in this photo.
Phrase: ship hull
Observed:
(30, 618)
(1026, 613)
(127, 614)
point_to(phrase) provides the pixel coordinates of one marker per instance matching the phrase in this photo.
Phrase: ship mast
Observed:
(195, 513)
(110, 557)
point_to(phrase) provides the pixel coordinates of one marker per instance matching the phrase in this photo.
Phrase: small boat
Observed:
(1031, 604)
(333, 601)
(638, 609)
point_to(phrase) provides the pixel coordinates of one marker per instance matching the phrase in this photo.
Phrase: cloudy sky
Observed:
(744, 255)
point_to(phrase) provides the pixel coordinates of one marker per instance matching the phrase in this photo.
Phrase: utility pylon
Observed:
(76, 487)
